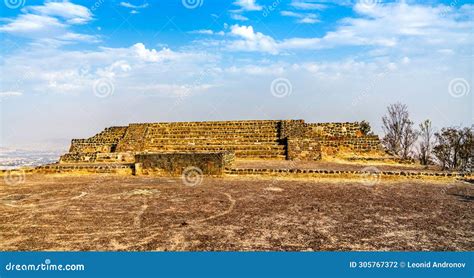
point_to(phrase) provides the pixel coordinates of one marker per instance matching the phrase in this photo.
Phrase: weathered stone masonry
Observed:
(272, 139)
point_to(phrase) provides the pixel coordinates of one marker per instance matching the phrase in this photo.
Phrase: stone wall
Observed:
(334, 129)
(175, 163)
(110, 157)
(316, 173)
(303, 149)
(370, 143)
(292, 128)
(89, 146)
(343, 137)
(108, 168)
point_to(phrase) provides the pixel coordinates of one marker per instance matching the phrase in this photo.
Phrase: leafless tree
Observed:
(425, 146)
(399, 132)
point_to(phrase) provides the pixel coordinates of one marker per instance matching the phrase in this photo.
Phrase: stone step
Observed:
(264, 156)
(216, 147)
(205, 132)
(259, 152)
(236, 128)
(248, 127)
(95, 141)
(224, 136)
(212, 141)
(238, 153)
(219, 123)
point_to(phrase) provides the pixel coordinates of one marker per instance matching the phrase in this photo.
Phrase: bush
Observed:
(454, 148)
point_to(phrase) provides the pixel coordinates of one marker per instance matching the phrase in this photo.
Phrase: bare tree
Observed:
(399, 132)
(425, 146)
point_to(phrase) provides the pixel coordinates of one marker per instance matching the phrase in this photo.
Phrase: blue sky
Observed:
(71, 68)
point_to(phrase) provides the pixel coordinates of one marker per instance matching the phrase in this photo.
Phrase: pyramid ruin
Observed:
(174, 144)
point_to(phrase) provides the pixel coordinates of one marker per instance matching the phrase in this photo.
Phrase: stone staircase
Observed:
(105, 141)
(249, 139)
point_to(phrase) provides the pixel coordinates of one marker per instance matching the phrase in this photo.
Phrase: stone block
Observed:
(175, 163)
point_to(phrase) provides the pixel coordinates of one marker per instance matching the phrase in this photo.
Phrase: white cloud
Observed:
(308, 19)
(10, 94)
(248, 5)
(245, 5)
(207, 32)
(268, 70)
(69, 36)
(289, 13)
(72, 13)
(252, 41)
(307, 5)
(446, 51)
(202, 32)
(149, 86)
(173, 90)
(131, 6)
(50, 23)
(238, 17)
(302, 17)
(57, 71)
(410, 28)
(151, 55)
(33, 25)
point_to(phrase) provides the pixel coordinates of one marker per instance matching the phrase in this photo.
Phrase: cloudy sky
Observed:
(71, 68)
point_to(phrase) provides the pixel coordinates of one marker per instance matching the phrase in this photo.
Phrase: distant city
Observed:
(14, 158)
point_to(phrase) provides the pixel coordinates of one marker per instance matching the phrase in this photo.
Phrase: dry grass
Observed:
(103, 212)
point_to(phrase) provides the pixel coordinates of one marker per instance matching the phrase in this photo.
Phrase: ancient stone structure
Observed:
(173, 164)
(269, 139)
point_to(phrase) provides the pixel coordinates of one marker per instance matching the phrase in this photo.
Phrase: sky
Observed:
(71, 68)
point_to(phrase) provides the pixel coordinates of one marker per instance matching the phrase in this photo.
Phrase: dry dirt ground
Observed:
(104, 212)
